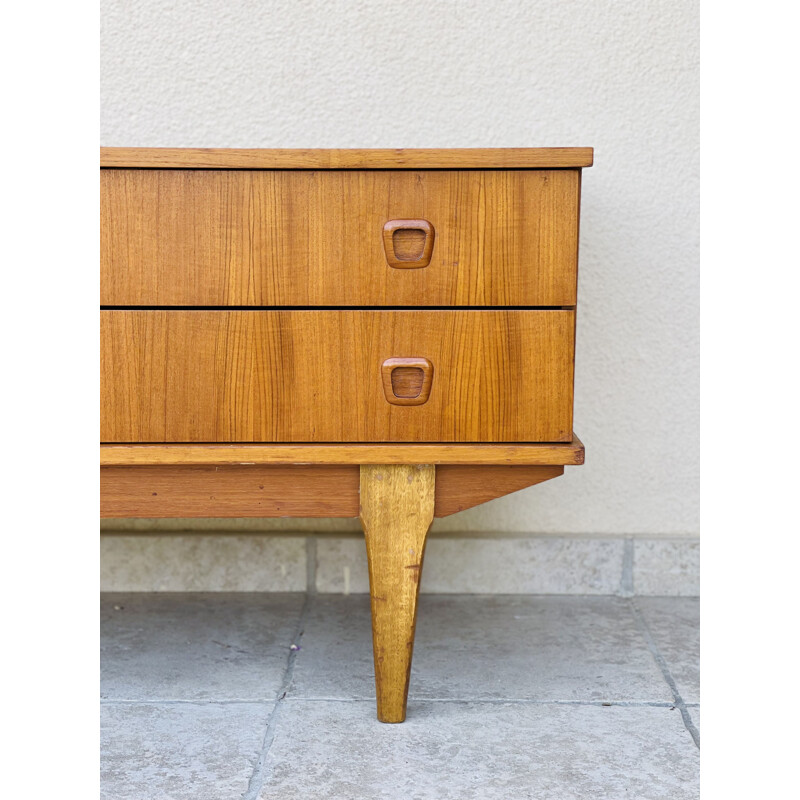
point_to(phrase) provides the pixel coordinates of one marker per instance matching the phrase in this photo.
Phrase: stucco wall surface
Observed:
(620, 76)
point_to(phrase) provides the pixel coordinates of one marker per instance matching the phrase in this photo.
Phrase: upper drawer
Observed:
(180, 237)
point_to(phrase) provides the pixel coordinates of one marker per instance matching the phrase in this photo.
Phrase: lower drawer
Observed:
(336, 376)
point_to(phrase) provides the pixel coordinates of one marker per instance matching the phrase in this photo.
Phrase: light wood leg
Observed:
(396, 513)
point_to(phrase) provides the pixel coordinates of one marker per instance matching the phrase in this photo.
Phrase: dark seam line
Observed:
(257, 779)
(340, 443)
(337, 308)
(661, 663)
(353, 169)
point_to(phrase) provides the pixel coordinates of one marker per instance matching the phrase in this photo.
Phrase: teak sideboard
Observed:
(387, 334)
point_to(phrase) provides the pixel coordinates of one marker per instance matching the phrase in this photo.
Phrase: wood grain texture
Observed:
(460, 487)
(465, 158)
(229, 491)
(284, 238)
(315, 376)
(396, 512)
(547, 454)
(287, 491)
(408, 243)
(407, 381)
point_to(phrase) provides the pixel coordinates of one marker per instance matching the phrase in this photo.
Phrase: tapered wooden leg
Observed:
(396, 513)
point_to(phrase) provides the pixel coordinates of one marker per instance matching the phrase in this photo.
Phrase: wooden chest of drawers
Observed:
(388, 334)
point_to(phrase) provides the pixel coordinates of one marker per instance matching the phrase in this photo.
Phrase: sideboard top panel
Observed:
(466, 158)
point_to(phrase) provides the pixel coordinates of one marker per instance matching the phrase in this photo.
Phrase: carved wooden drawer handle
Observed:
(407, 381)
(408, 243)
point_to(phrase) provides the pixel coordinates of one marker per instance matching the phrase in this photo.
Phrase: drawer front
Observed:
(322, 376)
(339, 238)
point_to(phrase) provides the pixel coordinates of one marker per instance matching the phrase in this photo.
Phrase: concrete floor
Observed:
(511, 696)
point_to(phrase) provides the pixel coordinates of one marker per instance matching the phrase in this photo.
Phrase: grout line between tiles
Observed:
(258, 777)
(454, 700)
(503, 701)
(311, 564)
(662, 665)
(173, 701)
(626, 581)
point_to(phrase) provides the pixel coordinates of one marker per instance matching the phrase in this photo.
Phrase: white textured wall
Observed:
(620, 76)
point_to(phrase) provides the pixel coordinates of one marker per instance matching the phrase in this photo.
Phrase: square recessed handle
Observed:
(408, 243)
(407, 381)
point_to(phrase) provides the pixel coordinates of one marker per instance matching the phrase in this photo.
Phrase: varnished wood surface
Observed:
(465, 158)
(315, 376)
(284, 238)
(396, 511)
(229, 491)
(459, 487)
(287, 491)
(408, 243)
(546, 454)
(407, 381)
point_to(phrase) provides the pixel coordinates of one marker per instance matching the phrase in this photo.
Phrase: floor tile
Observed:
(674, 623)
(694, 713)
(669, 567)
(545, 565)
(183, 751)
(463, 751)
(584, 649)
(209, 562)
(193, 647)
